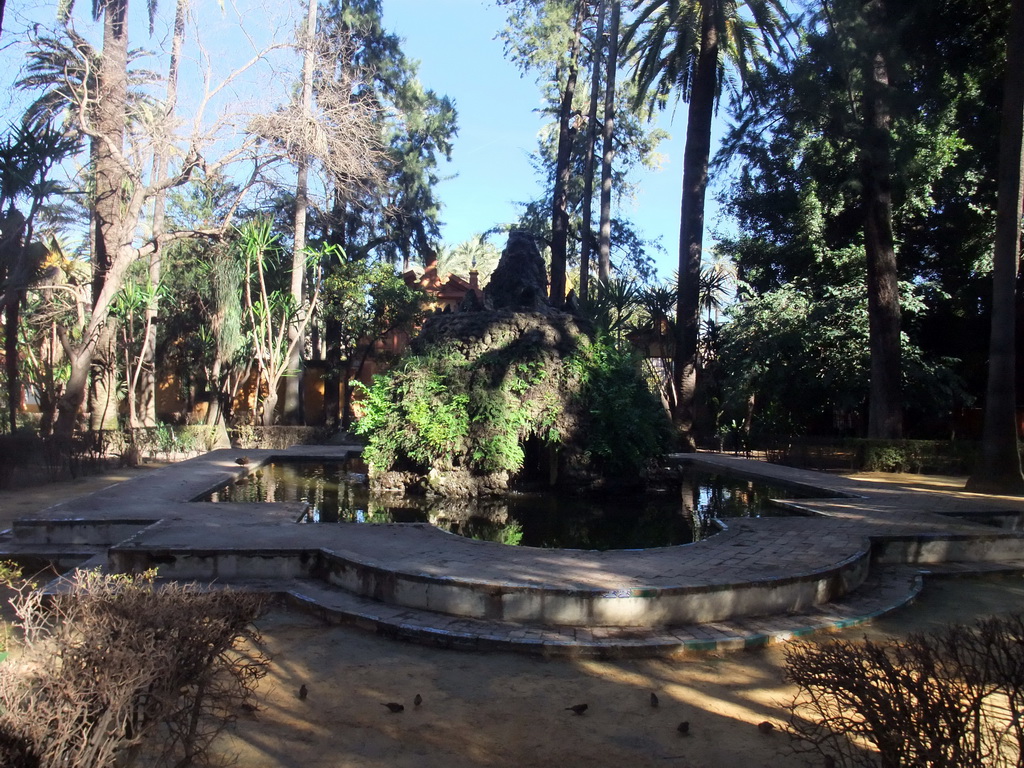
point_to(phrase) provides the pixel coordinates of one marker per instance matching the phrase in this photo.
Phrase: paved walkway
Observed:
(760, 580)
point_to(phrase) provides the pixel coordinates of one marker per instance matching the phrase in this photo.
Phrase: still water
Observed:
(337, 492)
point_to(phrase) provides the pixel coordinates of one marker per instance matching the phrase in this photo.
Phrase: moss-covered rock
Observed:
(496, 397)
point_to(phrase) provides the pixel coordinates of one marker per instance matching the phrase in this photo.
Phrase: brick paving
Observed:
(762, 580)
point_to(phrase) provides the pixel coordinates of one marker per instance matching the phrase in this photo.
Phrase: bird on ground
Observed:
(242, 461)
(654, 699)
(418, 700)
(303, 692)
(684, 727)
(765, 727)
(578, 709)
(393, 706)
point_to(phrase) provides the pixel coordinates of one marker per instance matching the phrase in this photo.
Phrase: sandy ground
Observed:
(509, 710)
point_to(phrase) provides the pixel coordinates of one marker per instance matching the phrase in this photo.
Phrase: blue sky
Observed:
(455, 43)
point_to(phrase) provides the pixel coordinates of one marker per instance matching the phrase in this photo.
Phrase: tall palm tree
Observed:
(61, 68)
(113, 219)
(687, 47)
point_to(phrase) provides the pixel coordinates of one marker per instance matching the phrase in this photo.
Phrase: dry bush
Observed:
(341, 130)
(114, 665)
(949, 699)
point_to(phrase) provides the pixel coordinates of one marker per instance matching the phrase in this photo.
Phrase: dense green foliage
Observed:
(797, 342)
(917, 456)
(439, 409)
(798, 356)
(204, 289)
(29, 156)
(367, 300)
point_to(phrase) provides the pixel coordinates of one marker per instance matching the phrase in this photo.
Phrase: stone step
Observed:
(886, 589)
(420, 567)
(36, 557)
(74, 532)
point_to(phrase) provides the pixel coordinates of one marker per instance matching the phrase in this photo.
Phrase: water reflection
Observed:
(338, 492)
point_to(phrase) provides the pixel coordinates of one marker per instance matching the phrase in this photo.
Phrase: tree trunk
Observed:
(215, 395)
(147, 397)
(560, 198)
(332, 379)
(586, 238)
(131, 404)
(333, 376)
(48, 391)
(269, 405)
(13, 275)
(12, 358)
(998, 469)
(604, 257)
(292, 405)
(691, 228)
(80, 356)
(69, 406)
(109, 118)
(108, 202)
(103, 401)
(885, 409)
(108, 228)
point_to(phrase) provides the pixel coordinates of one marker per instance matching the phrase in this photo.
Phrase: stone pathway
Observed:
(761, 580)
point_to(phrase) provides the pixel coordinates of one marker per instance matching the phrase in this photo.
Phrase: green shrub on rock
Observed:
(449, 411)
(441, 410)
(411, 411)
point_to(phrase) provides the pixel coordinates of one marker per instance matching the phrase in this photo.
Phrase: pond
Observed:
(338, 492)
